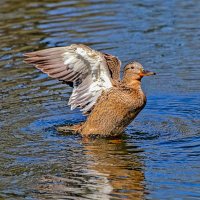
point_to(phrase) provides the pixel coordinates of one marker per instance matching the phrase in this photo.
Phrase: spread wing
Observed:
(114, 65)
(88, 71)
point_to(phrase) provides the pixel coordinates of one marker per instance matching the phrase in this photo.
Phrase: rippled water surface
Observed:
(159, 156)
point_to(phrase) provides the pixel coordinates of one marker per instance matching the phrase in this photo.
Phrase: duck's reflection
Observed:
(105, 169)
(121, 163)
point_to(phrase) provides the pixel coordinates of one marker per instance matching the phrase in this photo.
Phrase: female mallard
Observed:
(110, 103)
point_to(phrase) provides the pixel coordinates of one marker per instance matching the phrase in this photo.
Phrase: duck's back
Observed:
(114, 110)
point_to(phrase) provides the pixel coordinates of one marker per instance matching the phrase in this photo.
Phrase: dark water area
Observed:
(159, 156)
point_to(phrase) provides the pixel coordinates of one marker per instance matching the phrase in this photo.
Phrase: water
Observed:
(158, 158)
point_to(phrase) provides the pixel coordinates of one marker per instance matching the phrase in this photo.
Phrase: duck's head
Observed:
(135, 71)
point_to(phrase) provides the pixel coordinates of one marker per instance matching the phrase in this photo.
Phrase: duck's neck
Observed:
(132, 82)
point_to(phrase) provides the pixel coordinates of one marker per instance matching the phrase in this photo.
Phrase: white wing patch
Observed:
(86, 94)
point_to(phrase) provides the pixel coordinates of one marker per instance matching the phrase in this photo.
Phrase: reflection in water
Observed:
(121, 165)
(114, 169)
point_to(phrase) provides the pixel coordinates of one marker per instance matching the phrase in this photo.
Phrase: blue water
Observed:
(157, 158)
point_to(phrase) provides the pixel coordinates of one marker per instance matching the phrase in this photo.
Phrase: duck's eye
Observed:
(132, 67)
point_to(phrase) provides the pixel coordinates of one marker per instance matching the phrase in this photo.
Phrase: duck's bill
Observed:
(147, 73)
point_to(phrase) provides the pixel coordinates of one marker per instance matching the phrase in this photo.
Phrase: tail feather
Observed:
(70, 129)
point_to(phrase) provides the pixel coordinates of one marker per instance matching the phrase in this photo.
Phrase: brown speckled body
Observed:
(114, 110)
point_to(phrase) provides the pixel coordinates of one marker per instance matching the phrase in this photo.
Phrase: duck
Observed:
(110, 103)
